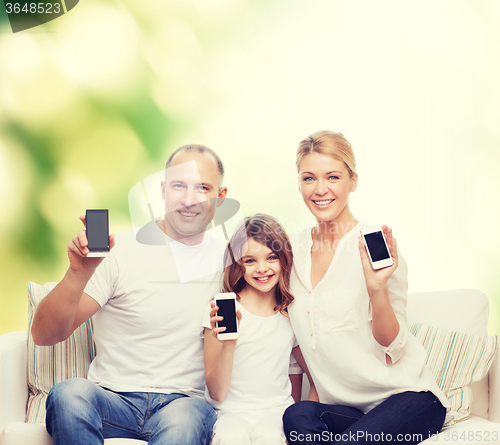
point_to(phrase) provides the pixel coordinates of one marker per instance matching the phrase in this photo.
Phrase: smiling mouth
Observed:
(263, 279)
(323, 202)
(187, 214)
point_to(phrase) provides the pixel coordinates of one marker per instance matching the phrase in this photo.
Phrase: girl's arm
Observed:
(313, 394)
(219, 357)
(385, 325)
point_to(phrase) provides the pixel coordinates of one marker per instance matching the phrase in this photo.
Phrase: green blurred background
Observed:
(95, 100)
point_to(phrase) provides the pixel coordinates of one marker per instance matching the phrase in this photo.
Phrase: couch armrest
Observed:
(494, 381)
(13, 384)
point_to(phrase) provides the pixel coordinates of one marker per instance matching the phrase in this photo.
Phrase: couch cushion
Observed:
(476, 431)
(48, 365)
(13, 388)
(456, 359)
(20, 433)
(464, 310)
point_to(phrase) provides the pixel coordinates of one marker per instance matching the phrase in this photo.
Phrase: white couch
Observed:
(462, 310)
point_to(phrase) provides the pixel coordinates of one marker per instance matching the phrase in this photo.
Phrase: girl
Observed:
(350, 320)
(247, 379)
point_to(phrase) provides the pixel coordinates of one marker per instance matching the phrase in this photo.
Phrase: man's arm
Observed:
(66, 307)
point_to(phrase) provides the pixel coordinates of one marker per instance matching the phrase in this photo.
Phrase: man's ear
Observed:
(222, 196)
(163, 185)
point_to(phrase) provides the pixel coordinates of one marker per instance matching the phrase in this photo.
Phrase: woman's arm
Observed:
(296, 381)
(385, 324)
(313, 394)
(219, 357)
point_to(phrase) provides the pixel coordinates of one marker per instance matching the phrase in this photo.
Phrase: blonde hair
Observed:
(328, 143)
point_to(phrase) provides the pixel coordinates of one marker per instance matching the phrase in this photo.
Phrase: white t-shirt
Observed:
(147, 330)
(333, 326)
(260, 367)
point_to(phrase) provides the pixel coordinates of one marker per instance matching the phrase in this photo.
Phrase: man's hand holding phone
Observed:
(67, 306)
(78, 251)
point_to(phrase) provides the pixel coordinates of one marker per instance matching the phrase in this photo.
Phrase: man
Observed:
(146, 381)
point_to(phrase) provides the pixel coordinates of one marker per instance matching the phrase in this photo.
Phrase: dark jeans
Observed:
(405, 418)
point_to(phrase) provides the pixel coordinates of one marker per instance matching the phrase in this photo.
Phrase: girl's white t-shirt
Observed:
(260, 368)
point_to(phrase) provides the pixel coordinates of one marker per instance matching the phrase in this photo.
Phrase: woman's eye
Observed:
(333, 178)
(308, 179)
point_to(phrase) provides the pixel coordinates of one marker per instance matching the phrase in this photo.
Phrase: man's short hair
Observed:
(198, 148)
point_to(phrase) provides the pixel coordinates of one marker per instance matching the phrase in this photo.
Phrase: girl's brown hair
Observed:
(268, 231)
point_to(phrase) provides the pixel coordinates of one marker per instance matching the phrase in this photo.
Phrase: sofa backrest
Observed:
(462, 310)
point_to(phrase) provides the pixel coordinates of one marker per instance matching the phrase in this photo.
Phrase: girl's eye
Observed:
(249, 261)
(272, 257)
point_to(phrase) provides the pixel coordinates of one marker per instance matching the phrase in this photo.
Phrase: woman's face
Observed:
(325, 186)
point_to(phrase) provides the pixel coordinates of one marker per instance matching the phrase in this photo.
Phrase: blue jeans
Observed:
(81, 412)
(405, 418)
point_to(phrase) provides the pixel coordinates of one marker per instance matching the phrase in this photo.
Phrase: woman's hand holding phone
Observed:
(78, 251)
(377, 279)
(385, 326)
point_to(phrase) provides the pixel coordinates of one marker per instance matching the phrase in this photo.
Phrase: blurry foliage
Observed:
(36, 239)
(149, 123)
(89, 137)
(40, 148)
(92, 102)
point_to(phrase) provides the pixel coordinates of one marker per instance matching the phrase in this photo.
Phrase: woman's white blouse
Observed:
(333, 326)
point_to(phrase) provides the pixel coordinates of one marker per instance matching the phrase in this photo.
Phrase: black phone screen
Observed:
(227, 309)
(376, 246)
(97, 228)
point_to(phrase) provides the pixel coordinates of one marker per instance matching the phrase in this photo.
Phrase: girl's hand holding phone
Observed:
(214, 318)
(377, 279)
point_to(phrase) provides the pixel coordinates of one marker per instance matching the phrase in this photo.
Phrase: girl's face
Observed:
(325, 186)
(262, 267)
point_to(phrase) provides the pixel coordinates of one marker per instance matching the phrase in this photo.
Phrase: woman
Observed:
(350, 320)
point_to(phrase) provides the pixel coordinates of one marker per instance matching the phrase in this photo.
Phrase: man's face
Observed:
(191, 193)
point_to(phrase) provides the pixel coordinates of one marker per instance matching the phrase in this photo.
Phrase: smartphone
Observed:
(377, 248)
(97, 227)
(227, 309)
